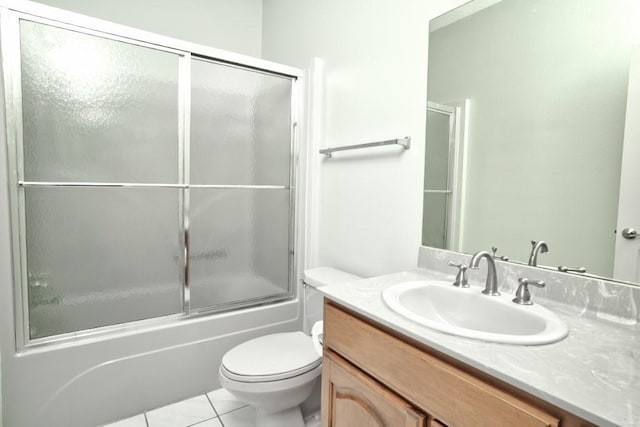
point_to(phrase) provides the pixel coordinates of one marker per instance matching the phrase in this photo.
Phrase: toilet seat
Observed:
(270, 358)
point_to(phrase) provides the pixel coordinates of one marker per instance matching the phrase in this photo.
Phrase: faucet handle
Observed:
(523, 296)
(493, 254)
(461, 278)
(566, 269)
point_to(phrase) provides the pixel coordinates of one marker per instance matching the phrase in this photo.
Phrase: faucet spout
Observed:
(536, 248)
(491, 285)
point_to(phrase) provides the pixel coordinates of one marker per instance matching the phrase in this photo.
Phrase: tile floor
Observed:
(215, 409)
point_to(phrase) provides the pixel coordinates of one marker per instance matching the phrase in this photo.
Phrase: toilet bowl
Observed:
(276, 373)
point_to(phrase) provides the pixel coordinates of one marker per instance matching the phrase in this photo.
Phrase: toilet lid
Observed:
(271, 358)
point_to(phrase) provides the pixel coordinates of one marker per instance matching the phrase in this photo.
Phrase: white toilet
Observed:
(277, 372)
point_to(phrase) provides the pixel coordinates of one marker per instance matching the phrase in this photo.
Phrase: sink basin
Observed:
(468, 313)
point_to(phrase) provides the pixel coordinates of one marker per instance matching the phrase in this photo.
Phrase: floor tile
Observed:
(224, 401)
(182, 414)
(137, 421)
(244, 417)
(215, 422)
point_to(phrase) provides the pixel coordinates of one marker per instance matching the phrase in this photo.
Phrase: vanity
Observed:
(371, 373)
(382, 369)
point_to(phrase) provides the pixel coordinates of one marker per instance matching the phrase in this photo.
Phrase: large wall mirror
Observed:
(533, 132)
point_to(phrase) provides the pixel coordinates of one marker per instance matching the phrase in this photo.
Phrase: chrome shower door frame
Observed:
(10, 15)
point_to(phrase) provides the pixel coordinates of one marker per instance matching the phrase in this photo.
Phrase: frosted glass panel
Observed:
(436, 171)
(96, 109)
(100, 256)
(239, 245)
(434, 223)
(240, 126)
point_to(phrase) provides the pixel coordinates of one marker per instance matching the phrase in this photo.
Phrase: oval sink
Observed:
(468, 313)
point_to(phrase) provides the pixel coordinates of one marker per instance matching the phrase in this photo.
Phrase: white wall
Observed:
(375, 59)
(230, 25)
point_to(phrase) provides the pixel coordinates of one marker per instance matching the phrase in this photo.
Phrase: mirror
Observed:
(527, 102)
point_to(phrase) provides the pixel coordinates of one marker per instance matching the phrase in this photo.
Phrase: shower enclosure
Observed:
(148, 211)
(148, 181)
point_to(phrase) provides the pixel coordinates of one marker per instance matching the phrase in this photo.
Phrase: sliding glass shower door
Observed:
(149, 182)
(239, 173)
(97, 112)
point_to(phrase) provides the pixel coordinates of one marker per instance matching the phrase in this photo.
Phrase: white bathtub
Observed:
(90, 383)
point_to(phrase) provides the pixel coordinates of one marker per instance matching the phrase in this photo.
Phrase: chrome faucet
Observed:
(461, 278)
(523, 296)
(491, 287)
(536, 248)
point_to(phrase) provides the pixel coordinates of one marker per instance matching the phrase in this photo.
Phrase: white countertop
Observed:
(594, 373)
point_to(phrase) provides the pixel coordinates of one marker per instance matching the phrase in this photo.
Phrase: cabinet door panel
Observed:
(351, 398)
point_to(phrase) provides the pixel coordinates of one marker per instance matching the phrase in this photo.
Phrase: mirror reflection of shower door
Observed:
(443, 180)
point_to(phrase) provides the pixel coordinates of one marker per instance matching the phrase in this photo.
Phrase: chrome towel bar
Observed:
(405, 142)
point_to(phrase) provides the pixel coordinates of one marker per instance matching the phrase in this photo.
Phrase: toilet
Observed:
(276, 373)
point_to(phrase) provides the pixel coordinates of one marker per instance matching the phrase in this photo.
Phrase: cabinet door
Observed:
(350, 398)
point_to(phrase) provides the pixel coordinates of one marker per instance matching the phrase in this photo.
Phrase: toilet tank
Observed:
(313, 279)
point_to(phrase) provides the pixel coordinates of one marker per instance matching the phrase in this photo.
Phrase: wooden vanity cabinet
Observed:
(374, 377)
